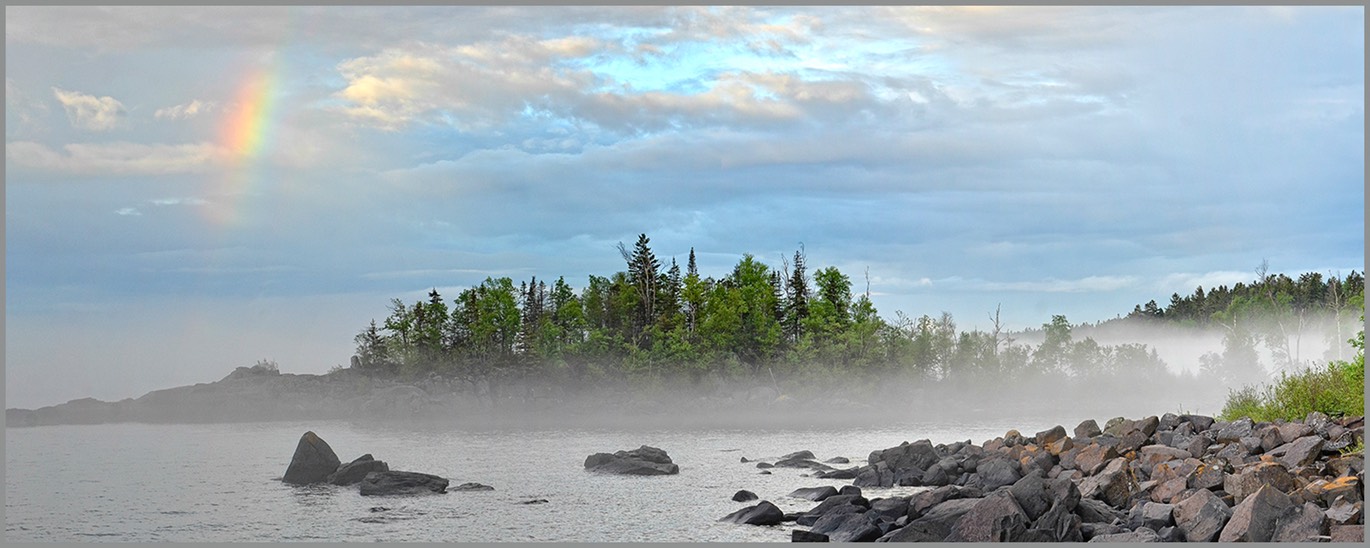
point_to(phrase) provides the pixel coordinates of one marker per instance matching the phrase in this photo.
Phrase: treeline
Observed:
(1274, 312)
(663, 322)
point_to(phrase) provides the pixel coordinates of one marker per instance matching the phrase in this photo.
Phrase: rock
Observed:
(401, 483)
(1207, 477)
(1270, 437)
(744, 495)
(1059, 524)
(800, 535)
(805, 454)
(313, 461)
(1291, 431)
(996, 518)
(355, 471)
(1201, 516)
(836, 501)
(763, 513)
(837, 460)
(1249, 478)
(1235, 430)
(534, 501)
(1114, 426)
(1171, 534)
(1151, 455)
(891, 508)
(1200, 422)
(1090, 530)
(1140, 535)
(1253, 520)
(1167, 490)
(1345, 512)
(845, 473)
(1302, 452)
(844, 527)
(643, 461)
(1348, 533)
(1093, 457)
(1031, 494)
(1156, 515)
(472, 486)
(935, 524)
(849, 490)
(997, 472)
(816, 494)
(1097, 511)
(921, 502)
(799, 462)
(1303, 524)
(1113, 484)
(1087, 429)
(1348, 465)
(1131, 442)
(1050, 435)
(764, 465)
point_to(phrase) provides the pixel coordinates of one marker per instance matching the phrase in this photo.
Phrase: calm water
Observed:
(137, 482)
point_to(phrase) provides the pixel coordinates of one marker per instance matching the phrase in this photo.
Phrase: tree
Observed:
(643, 272)
(372, 354)
(1050, 358)
(796, 298)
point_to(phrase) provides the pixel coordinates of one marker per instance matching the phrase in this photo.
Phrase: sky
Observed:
(193, 189)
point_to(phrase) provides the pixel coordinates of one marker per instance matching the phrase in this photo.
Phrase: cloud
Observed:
(129, 211)
(188, 110)
(116, 158)
(1090, 284)
(88, 111)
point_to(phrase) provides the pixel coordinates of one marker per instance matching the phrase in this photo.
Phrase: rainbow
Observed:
(244, 138)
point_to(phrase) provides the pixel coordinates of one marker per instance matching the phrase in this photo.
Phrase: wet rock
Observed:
(355, 471)
(1248, 479)
(816, 494)
(995, 518)
(805, 454)
(1201, 516)
(838, 460)
(935, 524)
(1253, 520)
(803, 463)
(1302, 452)
(472, 486)
(743, 495)
(1302, 524)
(764, 465)
(643, 461)
(849, 490)
(401, 483)
(763, 513)
(312, 462)
(845, 473)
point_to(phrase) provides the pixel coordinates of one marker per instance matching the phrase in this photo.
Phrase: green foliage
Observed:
(1335, 388)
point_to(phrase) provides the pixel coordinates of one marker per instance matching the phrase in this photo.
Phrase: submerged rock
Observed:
(643, 461)
(313, 461)
(357, 470)
(402, 483)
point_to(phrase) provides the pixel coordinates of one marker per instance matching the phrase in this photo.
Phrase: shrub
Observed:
(1336, 388)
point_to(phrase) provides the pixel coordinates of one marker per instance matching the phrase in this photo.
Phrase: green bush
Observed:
(1336, 388)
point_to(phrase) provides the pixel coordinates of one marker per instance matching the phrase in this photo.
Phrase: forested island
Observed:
(664, 339)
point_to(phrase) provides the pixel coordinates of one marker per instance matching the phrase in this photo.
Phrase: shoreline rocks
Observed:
(643, 461)
(1171, 478)
(314, 461)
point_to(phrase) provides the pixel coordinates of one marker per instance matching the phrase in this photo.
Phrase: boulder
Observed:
(473, 486)
(1291, 431)
(1270, 437)
(1032, 496)
(1302, 452)
(1348, 533)
(849, 490)
(1249, 478)
(1305, 523)
(1151, 455)
(401, 483)
(1157, 515)
(1201, 516)
(1235, 430)
(995, 518)
(837, 460)
(1254, 519)
(997, 472)
(1207, 477)
(836, 501)
(1087, 429)
(923, 501)
(935, 524)
(805, 454)
(890, 508)
(744, 495)
(1090, 530)
(799, 462)
(1097, 511)
(1093, 457)
(643, 461)
(847, 527)
(1057, 525)
(1345, 512)
(1113, 484)
(355, 471)
(845, 473)
(313, 461)
(1050, 435)
(1200, 422)
(763, 513)
(816, 494)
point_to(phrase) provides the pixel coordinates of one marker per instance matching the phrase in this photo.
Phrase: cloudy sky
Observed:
(188, 190)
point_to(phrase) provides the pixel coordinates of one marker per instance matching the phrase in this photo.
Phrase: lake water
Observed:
(220, 482)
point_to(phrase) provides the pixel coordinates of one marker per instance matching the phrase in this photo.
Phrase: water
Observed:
(220, 482)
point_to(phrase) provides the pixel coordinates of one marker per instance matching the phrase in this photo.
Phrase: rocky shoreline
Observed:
(1171, 478)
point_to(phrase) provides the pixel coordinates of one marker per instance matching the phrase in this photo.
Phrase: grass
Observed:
(1334, 389)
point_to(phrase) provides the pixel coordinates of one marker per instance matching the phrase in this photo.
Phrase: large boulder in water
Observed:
(402, 483)
(314, 460)
(355, 471)
(763, 513)
(643, 461)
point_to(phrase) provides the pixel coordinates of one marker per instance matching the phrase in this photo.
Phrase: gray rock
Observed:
(1302, 452)
(313, 461)
(997, 472)
(744, 495)
(401, 483)
(891, 508)
(1201, 516)
(1302, 524)
(1249, 478)
(849, 528)
(473, 486)
(996, 518)
(1254, 519)
(1059, 524)
(1092, 458)
(816, 494)
(1345, 512)
(1140, 535)
(800, 535)
(355, 471)
(1050, 435)
(1031, 494)
(763, 513)
(1156, 515)
(643, 461)
(1113, 484)
(935, 524)
(1348, 533)
(1200, 422)
(1235, 430)
(1097, 511)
